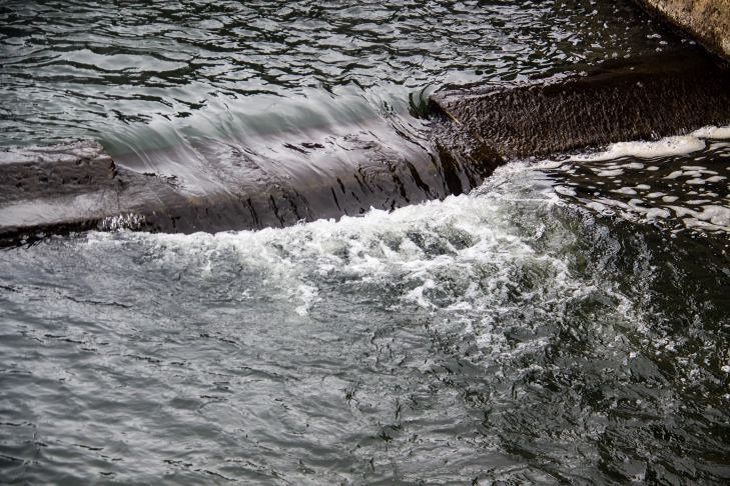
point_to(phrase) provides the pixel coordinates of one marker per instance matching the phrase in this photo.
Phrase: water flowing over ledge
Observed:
(563, 321)
(215, 185)
(509, 334)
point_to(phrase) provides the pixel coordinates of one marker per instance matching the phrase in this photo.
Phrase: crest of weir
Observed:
(76, 186)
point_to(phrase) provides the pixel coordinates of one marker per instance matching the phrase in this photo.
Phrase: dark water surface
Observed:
(138, 75)
(568, 321)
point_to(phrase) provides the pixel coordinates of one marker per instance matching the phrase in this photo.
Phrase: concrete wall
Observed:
(707, 20)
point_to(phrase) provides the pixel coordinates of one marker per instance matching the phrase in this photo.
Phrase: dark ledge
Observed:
(648, 99)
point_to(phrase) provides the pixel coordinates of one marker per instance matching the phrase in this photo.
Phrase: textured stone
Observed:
(706, 20)
(661, 96)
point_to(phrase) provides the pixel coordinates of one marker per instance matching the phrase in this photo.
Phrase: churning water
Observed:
(568, 321)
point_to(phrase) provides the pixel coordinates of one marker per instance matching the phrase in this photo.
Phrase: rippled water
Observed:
(568, 321)
(679, 183)
(509, 334)
(135, 73)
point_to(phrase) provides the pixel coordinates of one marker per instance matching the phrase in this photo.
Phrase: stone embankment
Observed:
(706, 20)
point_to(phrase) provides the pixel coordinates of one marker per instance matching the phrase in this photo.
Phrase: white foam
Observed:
(600, 208)
(625, 190)
(308, 294)
(710, 217)
(717, 215)
(633, 165)
(699, 168)
(669, 146)
(609, 172)
(718, 133)
(464, 258)
(674, 175)
(565, 190)
(653, 213)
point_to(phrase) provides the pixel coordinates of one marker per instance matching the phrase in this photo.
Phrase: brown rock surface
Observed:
(662, 96)
(707, 20)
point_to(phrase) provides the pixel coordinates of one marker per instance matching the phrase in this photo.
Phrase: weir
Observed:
(563, 320)
(76, 186)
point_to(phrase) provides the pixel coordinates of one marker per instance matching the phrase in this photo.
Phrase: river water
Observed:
(567, 321)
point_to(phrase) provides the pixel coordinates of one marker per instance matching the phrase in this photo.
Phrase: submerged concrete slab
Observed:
(706, 20)
(661, 96)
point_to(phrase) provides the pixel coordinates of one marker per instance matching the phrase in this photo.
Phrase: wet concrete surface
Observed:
(76, 186)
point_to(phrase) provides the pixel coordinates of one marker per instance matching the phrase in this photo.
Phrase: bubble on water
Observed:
(645, 150)
(713, 132)
(625, 190)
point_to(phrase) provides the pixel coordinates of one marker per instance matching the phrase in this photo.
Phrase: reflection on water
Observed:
(565, 322)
